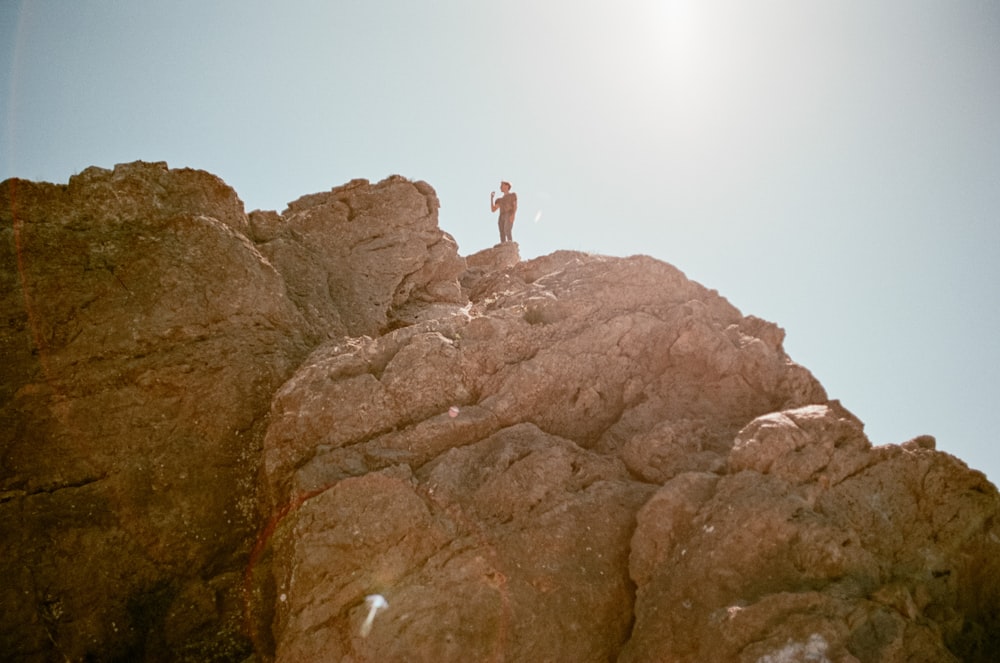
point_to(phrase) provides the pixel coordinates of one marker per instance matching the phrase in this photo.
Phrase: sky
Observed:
(829, 165)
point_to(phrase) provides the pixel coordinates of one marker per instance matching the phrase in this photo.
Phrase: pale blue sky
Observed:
(831, 165)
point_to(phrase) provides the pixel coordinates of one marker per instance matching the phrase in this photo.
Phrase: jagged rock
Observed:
(571, 351)
(145, 336)
(585, 351)
(816, 544)
(474, 555)
(220, 433)
(354, 258)
(494, 259)
(143, 345)
(487, 265)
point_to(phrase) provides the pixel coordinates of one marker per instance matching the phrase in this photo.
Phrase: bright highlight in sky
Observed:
(830, 166)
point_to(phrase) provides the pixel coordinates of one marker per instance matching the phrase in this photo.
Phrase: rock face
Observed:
(825, 546)
(359, 258)
(145, 336)
(221, 433)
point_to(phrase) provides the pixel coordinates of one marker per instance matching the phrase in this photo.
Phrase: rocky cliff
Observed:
(323, 435)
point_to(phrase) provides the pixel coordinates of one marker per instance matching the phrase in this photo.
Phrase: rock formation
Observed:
(230, 437)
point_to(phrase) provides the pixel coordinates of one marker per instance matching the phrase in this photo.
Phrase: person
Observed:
(507, 204)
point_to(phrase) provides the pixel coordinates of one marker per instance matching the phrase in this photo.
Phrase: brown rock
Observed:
(574, 353)
(145, 337)
(147, 340)
(221, 433)
(816, 545)
(356, 259)
(511, 548)
(367, 403)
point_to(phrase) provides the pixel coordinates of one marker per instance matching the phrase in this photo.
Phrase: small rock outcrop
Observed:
(223, 434)
(358, 259)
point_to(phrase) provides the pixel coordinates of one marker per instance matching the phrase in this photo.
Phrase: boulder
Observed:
(358, 258)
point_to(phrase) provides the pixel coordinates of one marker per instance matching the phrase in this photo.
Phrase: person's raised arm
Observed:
(493, 203)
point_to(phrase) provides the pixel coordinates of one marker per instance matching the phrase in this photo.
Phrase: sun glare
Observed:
(688, 55)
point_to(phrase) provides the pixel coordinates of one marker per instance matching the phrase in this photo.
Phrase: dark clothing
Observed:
(506, 224)
(508, 208)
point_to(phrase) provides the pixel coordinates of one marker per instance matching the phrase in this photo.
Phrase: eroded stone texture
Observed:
(361, 257)
(752, 547)
(145, 340)
(145, 335)
(476, 555)
(814, 541)
(594, 350)
(571, 371)
(221, 434)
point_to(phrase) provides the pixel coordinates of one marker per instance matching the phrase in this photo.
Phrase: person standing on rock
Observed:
(507, 204)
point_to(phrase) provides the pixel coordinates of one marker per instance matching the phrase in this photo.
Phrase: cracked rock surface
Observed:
(223, 433)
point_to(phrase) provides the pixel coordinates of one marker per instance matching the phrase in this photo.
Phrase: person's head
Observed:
(505, 186)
